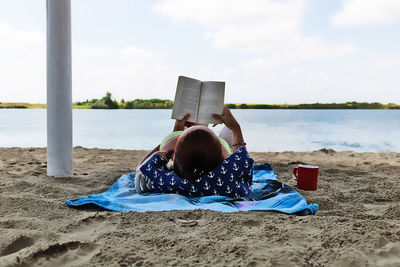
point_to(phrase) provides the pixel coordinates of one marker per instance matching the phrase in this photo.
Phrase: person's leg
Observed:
(227, 135)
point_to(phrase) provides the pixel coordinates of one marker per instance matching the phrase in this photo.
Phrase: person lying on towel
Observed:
(195, 162)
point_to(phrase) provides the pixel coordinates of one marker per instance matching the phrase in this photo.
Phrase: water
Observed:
(263, 130)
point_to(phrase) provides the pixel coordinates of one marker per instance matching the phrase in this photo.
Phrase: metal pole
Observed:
(59, 89)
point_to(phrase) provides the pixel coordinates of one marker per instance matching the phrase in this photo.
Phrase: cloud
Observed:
(124, 72)
(271, 28)
(11, 38)
(128, 72)
(22, 64)
(367, 12)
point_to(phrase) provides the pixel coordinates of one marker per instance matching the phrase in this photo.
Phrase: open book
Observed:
(200, 99)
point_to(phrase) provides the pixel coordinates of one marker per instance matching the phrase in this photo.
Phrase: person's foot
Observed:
(142, 184)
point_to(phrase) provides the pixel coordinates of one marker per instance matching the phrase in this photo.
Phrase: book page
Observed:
(187, 98)
(211, 101)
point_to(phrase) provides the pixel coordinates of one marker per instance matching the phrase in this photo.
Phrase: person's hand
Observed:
(228, 119)
(180, 124)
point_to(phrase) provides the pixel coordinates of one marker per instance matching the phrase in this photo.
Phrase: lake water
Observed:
(263, 130)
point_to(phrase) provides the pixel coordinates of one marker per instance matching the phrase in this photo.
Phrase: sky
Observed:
(267, 51)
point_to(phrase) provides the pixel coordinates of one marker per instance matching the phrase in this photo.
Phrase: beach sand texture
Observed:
(358, 223)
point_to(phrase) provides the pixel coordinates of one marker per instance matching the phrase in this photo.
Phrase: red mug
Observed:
(306, 176)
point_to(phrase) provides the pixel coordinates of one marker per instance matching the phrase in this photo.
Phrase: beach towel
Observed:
(269, 195)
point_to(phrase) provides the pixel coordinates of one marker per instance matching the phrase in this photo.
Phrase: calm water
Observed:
(264, 130)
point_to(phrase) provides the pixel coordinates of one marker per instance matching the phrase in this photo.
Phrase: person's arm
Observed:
(157, 148)
(162, 180)
(180, 124)
(230, 122)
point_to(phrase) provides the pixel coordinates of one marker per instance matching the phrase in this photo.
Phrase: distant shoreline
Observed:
(168, 104)
(107, 102)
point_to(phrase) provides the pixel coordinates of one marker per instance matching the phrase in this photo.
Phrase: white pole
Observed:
(59, 89)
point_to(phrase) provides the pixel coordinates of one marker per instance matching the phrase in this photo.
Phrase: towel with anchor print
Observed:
(232, 178)
(268, 194)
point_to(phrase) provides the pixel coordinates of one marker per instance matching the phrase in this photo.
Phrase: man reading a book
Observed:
(196, 162)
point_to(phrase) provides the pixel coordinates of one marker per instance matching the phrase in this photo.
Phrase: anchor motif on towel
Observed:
(211, 175)
(250, 172)
(168, 173)
(246, 164)
(237, 184)
(226, 161)
(223, 170)
(206, 186)
(219, 182)
(241, 174)
(193, 189)
(148, 167)
(245, 190)
(228, 190)
(237, 157)
(232, 177)
(155, 174)
(172, 182)
(215, 192)
(198, 180)
(242, 180)
(160, 182)
(237, 195)
(235, 167)
(184, 181)
(155, 161)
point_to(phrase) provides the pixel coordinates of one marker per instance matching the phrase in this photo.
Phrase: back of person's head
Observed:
(197, 152)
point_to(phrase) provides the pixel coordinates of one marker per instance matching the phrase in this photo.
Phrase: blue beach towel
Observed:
(269, 195)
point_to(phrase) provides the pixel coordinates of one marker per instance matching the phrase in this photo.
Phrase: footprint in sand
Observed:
(17, 245)
(76, 247)
(89, 228)
(73, 253)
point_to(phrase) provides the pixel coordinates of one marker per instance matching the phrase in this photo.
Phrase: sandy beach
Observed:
(358, 223)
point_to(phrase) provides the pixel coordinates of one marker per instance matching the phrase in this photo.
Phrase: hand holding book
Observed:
(228, 119)
(199, 99)
(231, 123)
(180, 124)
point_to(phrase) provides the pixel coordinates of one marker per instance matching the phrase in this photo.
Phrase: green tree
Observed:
(231, 106)
(110, 104)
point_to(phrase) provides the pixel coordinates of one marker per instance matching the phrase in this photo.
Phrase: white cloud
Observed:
(271, 59)
(271, 28)
(133, 52)
(367, 12)
(22, 64)
(128, 72)
(11, 38)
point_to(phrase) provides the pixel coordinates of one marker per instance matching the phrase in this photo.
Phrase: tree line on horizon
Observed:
(107, 102)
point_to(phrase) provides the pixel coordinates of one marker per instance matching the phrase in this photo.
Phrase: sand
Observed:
(358, 223)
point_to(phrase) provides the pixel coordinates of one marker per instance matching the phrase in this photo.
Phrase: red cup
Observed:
(306, 176)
